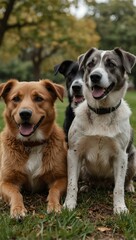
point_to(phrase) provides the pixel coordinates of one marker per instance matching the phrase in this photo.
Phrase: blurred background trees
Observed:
(36, 35)
(40, 34)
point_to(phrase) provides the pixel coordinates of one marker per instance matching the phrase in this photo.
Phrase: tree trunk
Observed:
(36, 70)
(4, 20)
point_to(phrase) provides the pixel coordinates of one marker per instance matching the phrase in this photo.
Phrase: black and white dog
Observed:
(74, 86)
(100, 134)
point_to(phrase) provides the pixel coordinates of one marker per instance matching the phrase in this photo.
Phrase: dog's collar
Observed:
(101, 111)
(33, 143)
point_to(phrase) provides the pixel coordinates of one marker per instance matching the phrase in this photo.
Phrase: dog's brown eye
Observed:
(38, 99)
(16, 99)
(91, 64)
(111, 64)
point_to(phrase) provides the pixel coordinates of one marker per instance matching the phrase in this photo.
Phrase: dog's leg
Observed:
(131, 171)
(57, 189)
(120, 168)
(11, 193)
(73, 175)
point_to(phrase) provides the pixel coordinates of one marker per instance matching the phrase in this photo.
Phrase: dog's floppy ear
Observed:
(56, 90)
(83, 57)
(6, 87)
(63, 67)
(127, 58)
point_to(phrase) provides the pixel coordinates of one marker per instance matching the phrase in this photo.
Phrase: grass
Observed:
(92, 219)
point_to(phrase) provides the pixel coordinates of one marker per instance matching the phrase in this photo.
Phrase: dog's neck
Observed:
(32, 144)
(101, 110)
(29, 145)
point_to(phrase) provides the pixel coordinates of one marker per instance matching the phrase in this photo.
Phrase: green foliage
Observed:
(40, 30)
(16, 69)
(115, 23)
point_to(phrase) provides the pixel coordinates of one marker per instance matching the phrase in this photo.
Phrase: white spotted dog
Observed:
(101, 133)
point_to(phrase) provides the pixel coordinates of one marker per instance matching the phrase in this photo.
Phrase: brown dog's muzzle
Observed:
(26, 128)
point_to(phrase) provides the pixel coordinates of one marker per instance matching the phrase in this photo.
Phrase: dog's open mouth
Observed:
(99, 92)
(26, 129)
(78, 99)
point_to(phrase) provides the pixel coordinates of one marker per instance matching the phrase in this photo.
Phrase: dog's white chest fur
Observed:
(34, 164)
(99, 155)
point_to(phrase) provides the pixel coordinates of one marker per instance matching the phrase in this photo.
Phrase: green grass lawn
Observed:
(92, 219)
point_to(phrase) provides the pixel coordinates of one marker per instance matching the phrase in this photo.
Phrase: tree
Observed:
(7, 12)
(16, 16)
(115, 23)
(52, 30)
(4, 26)
(68, 40)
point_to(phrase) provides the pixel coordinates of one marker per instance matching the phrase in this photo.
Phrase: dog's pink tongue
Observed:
(26, 129)
(78, 99)
(97, 91)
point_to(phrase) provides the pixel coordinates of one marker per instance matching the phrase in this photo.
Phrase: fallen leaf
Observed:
(103, 229)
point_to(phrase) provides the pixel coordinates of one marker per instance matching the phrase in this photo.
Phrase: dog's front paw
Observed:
(121, 209)
(70, 204)
(18, 212)
(51, 207)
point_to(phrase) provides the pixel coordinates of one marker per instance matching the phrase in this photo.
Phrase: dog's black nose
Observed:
(96, 77)
(25, 114)
(76, 87)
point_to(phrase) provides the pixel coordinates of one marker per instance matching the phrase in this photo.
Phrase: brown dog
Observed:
(32, 146)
